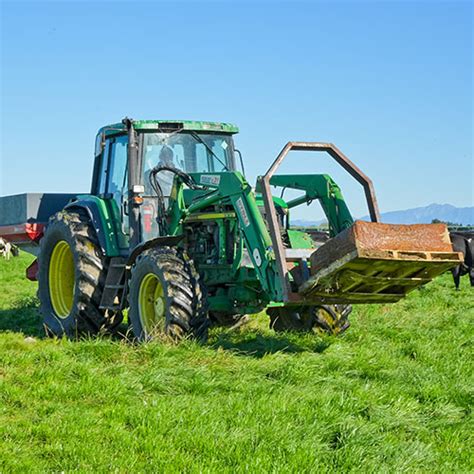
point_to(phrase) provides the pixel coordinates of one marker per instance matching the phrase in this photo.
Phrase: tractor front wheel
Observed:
(221, 319)
(166, 296)
(322, 319)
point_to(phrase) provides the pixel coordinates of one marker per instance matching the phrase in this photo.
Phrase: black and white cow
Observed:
(7, 249)
(464, 244)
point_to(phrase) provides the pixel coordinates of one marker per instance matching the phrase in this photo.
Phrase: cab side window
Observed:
(117, 174)
(102, 173)
(112, 176)
(116, 187)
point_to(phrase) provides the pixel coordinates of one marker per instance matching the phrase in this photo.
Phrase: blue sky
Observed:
(389, 83)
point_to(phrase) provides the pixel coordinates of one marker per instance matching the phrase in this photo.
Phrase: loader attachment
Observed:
(364, 262)
(378, 263)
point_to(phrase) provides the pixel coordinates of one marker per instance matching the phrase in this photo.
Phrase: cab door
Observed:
(111, 184)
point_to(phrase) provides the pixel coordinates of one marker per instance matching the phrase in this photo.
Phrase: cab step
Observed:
(114, 285)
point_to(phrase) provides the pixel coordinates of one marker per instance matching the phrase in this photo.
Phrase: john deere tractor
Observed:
(173, 232)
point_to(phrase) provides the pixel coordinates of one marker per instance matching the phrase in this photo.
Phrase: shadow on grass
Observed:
(23, 317)
(258, 345)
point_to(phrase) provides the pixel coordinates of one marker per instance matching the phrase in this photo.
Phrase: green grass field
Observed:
(393, 394)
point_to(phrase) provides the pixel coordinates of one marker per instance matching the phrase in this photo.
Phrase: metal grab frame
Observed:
(264, 182)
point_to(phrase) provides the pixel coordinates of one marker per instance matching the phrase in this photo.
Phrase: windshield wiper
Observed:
(208, 148)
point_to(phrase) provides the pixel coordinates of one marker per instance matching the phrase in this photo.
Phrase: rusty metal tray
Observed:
(378, 263)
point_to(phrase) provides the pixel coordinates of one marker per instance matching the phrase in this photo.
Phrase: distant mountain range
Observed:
(418, 215)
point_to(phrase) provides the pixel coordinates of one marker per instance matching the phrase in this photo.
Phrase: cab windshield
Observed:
(188, 151)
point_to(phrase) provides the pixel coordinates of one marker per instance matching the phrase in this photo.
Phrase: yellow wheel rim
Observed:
(325, 316)
(151, 303)
(61, 279)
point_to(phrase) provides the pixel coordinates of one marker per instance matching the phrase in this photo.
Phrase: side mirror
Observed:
(99, 144)
(102, 142)
(237, 152)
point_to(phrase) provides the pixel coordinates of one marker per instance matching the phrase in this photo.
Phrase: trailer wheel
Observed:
(166, 297)
(328, 319)
(71, 276)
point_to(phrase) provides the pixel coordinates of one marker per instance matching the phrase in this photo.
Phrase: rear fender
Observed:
(102, 220)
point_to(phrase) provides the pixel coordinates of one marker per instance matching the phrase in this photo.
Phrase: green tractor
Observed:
(173, 232)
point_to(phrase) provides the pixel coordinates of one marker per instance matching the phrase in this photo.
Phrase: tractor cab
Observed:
(187, 146)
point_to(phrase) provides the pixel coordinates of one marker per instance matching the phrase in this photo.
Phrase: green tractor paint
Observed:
(173, 231)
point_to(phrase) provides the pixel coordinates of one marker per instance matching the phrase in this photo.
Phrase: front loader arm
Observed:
(323, 188)
(230, 188)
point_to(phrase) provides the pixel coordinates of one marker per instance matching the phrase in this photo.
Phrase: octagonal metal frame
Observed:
(269, 205)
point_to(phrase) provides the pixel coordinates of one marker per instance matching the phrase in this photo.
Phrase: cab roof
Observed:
(173, 125)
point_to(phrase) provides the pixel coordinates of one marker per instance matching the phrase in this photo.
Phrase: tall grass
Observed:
(393, 394)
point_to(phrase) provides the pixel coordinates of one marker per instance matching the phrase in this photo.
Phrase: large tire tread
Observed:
(327, 319)
(85, 318)
(186, 310)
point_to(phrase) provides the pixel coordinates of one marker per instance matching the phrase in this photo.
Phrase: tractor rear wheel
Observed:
(166, 296)
(328, 319)
(71, 277)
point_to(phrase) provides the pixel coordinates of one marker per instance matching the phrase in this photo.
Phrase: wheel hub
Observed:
(61, 279)
(151, 303)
